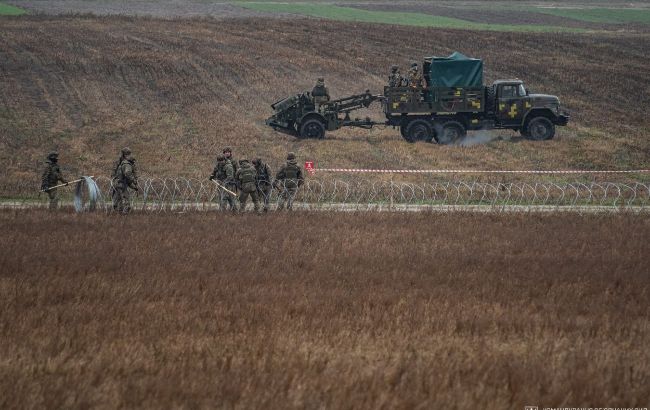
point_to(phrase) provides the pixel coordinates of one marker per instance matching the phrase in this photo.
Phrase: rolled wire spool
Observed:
(86, 195)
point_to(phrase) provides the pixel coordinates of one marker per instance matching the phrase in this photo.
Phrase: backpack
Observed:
(247, 174)
(221, 171)
(291, 175)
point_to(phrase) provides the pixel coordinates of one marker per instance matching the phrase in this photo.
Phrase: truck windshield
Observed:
(522, 90)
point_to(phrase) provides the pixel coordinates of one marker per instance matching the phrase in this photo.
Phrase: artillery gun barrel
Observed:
(351, 103)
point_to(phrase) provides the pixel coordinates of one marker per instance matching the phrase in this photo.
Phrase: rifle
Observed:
(61, 185)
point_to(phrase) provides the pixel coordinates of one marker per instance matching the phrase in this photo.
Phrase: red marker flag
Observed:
(309, 167)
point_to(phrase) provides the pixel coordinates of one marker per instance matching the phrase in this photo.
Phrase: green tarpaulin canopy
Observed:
(456, 70)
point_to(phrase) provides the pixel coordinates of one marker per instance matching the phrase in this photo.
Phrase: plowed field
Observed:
(176, 91)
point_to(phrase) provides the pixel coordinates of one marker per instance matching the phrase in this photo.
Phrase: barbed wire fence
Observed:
(352, 192)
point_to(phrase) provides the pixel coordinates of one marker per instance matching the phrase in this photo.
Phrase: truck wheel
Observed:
(418, 130)
(450, 132)
(312, 129)
(540, 129)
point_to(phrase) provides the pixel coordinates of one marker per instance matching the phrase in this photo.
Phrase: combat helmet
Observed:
(291, 156)
(227, 149)
(320, 81)
(394, 68)
(220, 158)
(53, 156)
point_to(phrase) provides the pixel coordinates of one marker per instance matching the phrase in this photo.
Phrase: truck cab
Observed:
(534, 115)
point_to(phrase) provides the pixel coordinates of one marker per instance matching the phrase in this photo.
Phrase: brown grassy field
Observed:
(323, 311)
(177, 91)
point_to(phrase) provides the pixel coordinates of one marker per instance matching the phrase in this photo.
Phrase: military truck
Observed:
(452, 101)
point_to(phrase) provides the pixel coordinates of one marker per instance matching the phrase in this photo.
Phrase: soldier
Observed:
(51, 177)
(320, 93)
(114, 180)
(264, 185)
(124, 177)
(227, 153)
(288, 180)
(224, 174)
(395, 78)
(245, 176)
(414, 77)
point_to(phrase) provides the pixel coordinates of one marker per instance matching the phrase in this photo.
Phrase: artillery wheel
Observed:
(451, 132)
(312, 129)
(417, 130)
(540, 129)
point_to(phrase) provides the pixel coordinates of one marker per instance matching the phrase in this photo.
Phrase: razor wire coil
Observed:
(180, 194)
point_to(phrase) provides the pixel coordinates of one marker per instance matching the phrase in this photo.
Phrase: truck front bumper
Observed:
(562, 119)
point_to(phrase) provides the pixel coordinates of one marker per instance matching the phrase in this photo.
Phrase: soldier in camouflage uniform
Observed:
(395, 77)
(287, 181)
(227, 153)
(224, 174)
(320, 93)
(51, 177)
(414, 76)
(264, 183)
(246, 176)
(124, 177)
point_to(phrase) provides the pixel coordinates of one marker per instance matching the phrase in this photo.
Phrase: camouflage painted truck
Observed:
(452, 102)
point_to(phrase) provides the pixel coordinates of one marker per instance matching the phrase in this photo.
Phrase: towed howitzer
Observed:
(300, 116)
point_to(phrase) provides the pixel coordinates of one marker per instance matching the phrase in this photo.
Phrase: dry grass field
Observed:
(323, 311)
(177, 90)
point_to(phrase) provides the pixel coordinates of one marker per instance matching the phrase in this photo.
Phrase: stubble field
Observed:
(323, 310)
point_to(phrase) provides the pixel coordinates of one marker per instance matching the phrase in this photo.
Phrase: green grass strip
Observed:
(332, 12)
(8, 10)
(600, 15)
